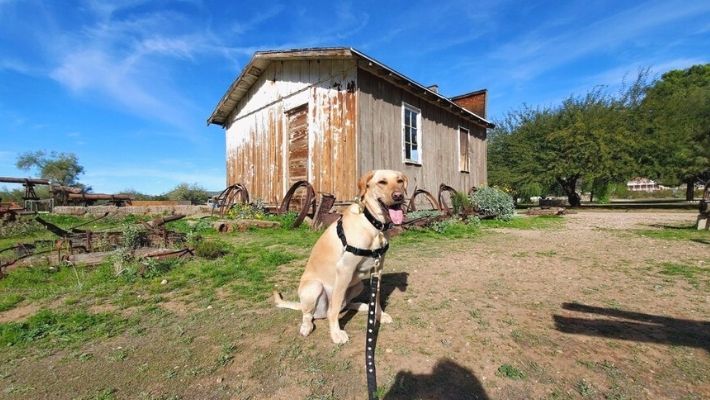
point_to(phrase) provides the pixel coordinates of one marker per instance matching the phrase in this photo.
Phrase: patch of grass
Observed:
(9, 301)
(525, 222)
(226, 355)
(686, 232)
(693, 274)
(692, 369)
(584, 388)
(211, 249)
(105, 394)
(54, 329)
(525, 338)
(509, 371)
(446, 229)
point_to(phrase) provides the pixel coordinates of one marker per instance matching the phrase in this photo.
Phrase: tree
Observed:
(587, 138)
(61, 168)
(184, 192)
(677, 111)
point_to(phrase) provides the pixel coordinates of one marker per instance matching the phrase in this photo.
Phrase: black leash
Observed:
(373, 324)
(371, 335)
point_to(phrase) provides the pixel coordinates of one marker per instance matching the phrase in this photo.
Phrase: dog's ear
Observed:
(362, 183)
(406, 182)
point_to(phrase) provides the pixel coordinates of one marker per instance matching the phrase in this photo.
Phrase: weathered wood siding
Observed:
(380, 138)
(257, 134)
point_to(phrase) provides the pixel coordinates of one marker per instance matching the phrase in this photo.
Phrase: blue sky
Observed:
(128, 85)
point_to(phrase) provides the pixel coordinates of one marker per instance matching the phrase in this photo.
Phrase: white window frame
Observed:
(467, 167)
(406, 160)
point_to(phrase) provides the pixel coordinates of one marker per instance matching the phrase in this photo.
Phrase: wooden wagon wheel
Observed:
(442, 204)
(412, 201)
(310, 201)
(229, 196)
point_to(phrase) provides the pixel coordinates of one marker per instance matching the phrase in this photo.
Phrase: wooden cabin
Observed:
(328, 115)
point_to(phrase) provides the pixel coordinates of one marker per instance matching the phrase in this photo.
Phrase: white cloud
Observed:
(542, 50)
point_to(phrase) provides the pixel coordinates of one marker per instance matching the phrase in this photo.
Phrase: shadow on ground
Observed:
(388, 284)
(634, 326)
(448, 381)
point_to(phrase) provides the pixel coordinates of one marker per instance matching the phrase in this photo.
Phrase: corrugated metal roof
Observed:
(261, 59)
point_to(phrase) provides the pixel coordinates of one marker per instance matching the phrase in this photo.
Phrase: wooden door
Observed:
(297, 144)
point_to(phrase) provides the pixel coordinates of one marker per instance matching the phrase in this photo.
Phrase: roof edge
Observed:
(218, 116)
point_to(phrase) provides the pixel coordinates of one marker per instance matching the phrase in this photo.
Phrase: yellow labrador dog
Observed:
(347, 252)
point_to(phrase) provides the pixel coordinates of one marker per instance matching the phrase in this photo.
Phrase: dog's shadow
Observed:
(388, 284)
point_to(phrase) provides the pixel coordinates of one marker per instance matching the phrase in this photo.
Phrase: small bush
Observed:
(154, 267)
(247, 211)
(461, 202)
(491, 201)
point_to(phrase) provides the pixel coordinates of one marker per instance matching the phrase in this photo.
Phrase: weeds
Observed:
(509, 371)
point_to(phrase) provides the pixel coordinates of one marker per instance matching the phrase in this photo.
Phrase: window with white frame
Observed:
(411, 128)
(464, 160)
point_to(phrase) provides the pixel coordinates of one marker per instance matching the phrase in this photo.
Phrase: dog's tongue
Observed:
(397, 216)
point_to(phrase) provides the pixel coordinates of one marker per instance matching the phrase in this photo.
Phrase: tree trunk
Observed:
(689, 189)
(569, 185)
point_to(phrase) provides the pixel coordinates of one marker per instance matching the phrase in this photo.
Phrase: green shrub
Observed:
(154, 267)
(461, 202)
(491, 201)
(247, 211)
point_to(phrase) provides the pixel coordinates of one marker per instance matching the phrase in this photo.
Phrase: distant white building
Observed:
(643, 185)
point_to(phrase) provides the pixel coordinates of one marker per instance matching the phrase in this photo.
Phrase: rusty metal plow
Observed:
(91, 247)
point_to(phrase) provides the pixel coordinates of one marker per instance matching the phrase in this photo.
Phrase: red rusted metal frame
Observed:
(412, 201)
(442, 204)
(90, 198)
(310, 201)
(323, 216)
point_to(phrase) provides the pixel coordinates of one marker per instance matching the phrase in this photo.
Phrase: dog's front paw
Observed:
(385, 318)
(306, 328)
(339, 336)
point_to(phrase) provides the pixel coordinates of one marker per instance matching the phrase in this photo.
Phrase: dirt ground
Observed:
(579, 311)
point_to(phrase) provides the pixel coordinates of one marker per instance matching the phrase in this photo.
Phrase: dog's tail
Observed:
(281, 303)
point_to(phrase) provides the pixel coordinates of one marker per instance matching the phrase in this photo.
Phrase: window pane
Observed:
(407, 153)
(415, 155)
(407, 118)
(414, 120)
(414, 136)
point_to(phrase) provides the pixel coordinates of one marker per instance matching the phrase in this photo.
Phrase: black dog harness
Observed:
(372, 323)
(377, 253)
